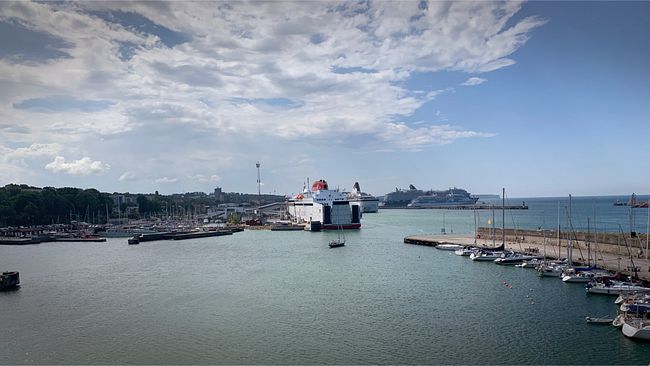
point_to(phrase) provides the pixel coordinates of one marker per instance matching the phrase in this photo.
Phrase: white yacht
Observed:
(452, 247)
(573, 275)
(634, 318)
(465, 252)
(634, 327)
(615, 288)
(632, 298)
(485, 256)
(515, 258)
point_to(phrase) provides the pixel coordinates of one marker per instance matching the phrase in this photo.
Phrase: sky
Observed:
(542, 98)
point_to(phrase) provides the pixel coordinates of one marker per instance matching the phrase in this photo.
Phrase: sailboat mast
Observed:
(570, 245)
(475, 229)
(494, 236)
(503, 217)
(588, 243)
(544, 233)
(559, 244)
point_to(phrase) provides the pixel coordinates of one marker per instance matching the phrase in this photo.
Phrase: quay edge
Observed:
(608, 256)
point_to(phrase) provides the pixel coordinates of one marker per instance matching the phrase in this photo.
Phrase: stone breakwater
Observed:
(607, 250)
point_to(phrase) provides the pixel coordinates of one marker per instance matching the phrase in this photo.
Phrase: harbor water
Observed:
(262, 297)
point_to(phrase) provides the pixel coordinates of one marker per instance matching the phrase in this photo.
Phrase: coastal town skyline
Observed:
(543, 98)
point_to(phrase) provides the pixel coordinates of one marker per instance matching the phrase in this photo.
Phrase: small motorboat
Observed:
(9, 281)
(618, 321)
(465, 252)
(134, 240)
(603, 320)
(451, 247)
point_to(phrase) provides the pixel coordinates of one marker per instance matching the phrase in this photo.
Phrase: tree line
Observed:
(22, 205)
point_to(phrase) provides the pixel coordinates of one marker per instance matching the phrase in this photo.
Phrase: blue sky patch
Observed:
(349, 70)
(142, 24)
(20, 44)
(275, 102)
(126, 50)
(62, 103)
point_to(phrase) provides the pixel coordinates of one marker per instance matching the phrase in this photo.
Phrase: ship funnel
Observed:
(356, 187)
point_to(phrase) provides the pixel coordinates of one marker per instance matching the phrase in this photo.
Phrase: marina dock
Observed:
(47, 239)
(605, 251)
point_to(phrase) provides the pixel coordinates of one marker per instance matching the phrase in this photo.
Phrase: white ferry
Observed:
(368, 202)
(331, 208)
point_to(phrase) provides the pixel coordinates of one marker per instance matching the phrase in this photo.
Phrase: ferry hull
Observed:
(344, 226)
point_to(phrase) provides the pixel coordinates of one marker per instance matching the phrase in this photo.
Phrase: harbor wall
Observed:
(516, 235)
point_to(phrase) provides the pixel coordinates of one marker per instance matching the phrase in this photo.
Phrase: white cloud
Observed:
(204, 179)
(166, 180)
(127, 176)
(270, 72)
(473, 81)
(33, 150)
(408, 138)
(83, 166)
(256, 51)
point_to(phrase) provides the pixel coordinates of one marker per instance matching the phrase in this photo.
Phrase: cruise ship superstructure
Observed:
(401, 197)
(450, 197)
(331, 208)
(368, 202)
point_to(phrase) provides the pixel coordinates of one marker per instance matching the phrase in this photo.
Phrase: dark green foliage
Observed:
(24, 205)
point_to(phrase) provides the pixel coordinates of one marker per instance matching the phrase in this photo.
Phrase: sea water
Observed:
(262, 297)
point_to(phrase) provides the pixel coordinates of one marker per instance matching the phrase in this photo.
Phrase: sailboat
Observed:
(340, 240)
(496, 252)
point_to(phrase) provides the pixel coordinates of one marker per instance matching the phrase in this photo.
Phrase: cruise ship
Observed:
(331, 208)
(450, 197)
(368, 202)
(401, 197)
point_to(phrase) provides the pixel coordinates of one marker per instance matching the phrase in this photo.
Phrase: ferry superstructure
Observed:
(368, 202)
(331, 208)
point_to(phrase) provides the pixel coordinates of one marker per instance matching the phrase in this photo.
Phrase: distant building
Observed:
(123, 199)
(218, 194)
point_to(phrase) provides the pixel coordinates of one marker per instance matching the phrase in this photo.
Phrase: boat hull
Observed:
(550, 274)
(632, 331)
(484, 258)
(603, 321)
(450, 247)
(614, 291)
(575, 279)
